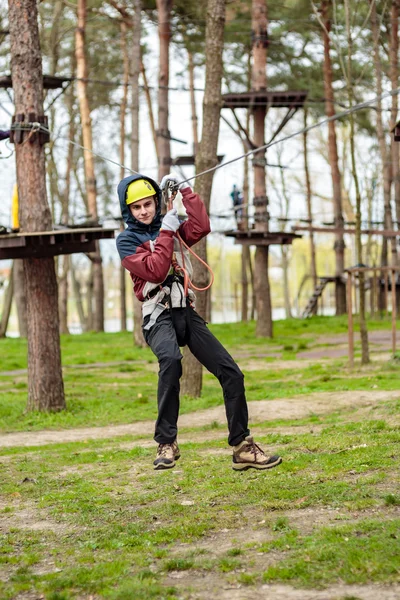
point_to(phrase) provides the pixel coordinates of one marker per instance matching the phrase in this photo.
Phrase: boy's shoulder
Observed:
(128, 241)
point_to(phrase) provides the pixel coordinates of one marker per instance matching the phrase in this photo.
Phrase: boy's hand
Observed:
(174, 179)
(170, 222)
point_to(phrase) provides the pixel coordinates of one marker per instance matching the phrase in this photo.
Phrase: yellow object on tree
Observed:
(14, 210)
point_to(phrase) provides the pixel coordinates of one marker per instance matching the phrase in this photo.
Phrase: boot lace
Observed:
(256, 450)
(163, 449)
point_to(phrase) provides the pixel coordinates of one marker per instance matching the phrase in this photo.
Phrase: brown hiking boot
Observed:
(167, 454)
(247, 455)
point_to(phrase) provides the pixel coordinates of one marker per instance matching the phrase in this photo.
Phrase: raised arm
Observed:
(197, 225)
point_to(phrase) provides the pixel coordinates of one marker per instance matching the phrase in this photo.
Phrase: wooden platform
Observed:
(51, 243)
(263, 238)
(50, 82)
(388, 233)
(185, 161)
(251, 99)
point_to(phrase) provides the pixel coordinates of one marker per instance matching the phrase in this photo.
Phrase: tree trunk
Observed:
(149, 106)
(45, 383)
(253, 288)
(205, 159)
(78, 299)
(5, 313)
(245, 254)
(66, 259)
(89, 299)
(313, 262)
(339, 247)
(193, 105)
(383, 148)
(286, 287)
(164, 34)
(264, 325)
(122, 116)
(136, 64)
(361, 276)
(394, 79)
(63, 294)
(138, 338)
(91, 191)
(20, 296)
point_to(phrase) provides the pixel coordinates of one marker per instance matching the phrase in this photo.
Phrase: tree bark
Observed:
(394, 80)
(5, 313)
(313, 261)
(91, 191)
(149, 106)
(45, 383)
(136, 64)
(163, 142)
(205, 159)
(361, 275)
(122, 116)
(339, 247)
(264, 326)
(136, 67)
(193, 105)
(65, 261)
(245, 254)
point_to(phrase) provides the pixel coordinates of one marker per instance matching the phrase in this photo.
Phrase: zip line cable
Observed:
(29, 126)
(340, 115)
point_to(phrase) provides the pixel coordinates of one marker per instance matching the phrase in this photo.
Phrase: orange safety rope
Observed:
(187, 282)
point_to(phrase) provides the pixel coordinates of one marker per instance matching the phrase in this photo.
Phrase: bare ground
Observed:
(261, 411)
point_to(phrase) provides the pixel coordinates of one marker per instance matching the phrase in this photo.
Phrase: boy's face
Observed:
(144, 210)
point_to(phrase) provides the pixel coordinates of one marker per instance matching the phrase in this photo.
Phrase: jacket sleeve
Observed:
(151, 266)
(197, 225)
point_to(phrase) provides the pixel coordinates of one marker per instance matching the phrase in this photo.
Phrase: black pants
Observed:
(180, 327)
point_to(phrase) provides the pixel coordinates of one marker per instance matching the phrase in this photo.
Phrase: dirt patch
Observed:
(207, 585)
(27, 516)
(261, 411)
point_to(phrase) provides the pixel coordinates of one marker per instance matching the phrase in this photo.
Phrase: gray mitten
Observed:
(170, 222)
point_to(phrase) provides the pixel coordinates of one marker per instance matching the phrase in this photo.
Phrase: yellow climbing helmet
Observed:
(138, 190)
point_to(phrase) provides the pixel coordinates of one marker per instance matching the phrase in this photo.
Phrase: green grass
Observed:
(124, 390)
(93, 518)
(100, 521)
(105, 396)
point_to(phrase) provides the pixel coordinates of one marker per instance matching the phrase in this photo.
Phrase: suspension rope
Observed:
(340, 115)
(335, 117)
(181, 269)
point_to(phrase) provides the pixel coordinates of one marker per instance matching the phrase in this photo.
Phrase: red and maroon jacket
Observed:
(151, 262)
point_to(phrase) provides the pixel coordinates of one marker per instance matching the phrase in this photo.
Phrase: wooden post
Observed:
(394, 311)
(350, 319)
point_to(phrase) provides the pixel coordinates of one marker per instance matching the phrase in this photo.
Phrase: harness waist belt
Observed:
(168, 281)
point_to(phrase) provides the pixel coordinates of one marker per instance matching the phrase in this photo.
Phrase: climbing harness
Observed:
(169, 194)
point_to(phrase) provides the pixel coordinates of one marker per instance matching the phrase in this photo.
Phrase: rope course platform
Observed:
(388, 233)
(43, 244)
(254, 237)
(50, 82)
(187, 161)
(289, 99)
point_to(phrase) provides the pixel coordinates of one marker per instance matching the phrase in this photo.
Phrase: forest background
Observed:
(295, 62)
